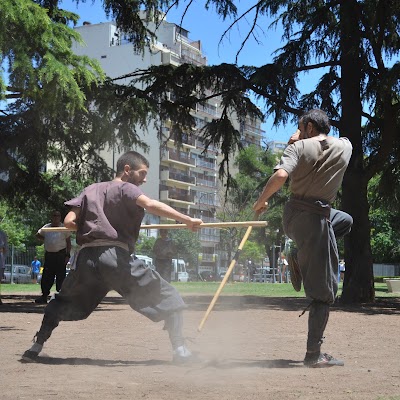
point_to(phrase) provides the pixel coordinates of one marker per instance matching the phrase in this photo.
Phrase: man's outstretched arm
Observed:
(274, 183)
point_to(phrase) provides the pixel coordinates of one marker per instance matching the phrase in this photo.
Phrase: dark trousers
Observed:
(101, 269)
(54, 268)
(164, 267)
(315, 237)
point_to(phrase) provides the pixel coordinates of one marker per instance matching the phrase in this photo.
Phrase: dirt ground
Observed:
(250, 348)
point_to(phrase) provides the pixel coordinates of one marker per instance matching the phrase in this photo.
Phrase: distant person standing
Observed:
(283, 264)
(342, 270)
(164, 250)
(35, 266)
(57, 246)
(3, 253)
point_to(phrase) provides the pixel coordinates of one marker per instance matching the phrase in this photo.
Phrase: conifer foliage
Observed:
(60, 107)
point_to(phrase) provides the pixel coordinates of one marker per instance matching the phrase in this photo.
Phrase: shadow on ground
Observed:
(388, 306)
(218, 364)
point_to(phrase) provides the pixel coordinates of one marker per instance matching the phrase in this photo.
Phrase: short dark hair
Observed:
(318, 118)
(133, 159)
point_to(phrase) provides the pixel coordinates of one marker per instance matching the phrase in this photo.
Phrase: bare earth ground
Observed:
(250, 348)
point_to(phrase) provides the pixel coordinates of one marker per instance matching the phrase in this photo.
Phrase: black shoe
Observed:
(32, 354)
(321, 360)
(41, 300)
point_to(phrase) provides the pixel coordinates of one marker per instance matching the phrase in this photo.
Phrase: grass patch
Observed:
(240, 288)
(209, 288)
(8, 288)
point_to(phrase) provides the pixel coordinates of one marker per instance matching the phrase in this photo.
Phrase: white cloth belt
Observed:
(106, 243)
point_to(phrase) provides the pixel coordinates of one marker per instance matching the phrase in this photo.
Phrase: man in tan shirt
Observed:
(315, 164)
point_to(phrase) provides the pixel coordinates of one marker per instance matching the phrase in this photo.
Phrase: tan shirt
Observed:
(316, 168)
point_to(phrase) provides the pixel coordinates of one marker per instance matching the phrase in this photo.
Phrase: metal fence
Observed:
(21, 257)
(386, 269)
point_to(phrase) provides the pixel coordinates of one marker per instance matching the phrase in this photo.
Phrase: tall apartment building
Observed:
(184, 178)
(276, 146)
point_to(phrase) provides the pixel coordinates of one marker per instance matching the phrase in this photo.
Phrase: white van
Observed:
(147, 260)
(178, 272)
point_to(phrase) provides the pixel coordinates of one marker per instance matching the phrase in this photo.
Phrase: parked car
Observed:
(221, 275)
(21, 274)
(207, 276)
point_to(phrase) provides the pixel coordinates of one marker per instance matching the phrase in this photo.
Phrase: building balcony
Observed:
(207, 257)
(206, 164)
(170, 58)
(251, 129)
(186, 140)
(210, 183)
(207, 109)
(178, 176)
(202, 146)
(177, 195)
(209, 235)
(180, 157)
(190, 57)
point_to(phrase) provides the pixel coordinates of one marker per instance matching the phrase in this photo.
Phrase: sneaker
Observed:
(41, 300)
(321, 361)
(182, 355)
(32, 354)
(294, 270)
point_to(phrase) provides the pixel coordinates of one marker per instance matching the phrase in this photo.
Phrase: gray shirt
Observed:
(316, 168)
(108, 211)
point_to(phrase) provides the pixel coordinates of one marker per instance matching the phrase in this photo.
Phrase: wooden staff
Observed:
(217, 225)
(227, 274)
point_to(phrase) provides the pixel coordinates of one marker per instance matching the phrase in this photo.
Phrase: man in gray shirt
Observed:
(315, 164)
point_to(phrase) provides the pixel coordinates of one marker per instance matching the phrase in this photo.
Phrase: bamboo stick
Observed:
(217, 225)
(225, 278)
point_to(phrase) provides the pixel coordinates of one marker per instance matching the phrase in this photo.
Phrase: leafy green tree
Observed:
(144, 245)
(385, 225)
(188, 245)
(17, 232)
(255, 166)
(253, 251)
(353, 44)
(51, 108)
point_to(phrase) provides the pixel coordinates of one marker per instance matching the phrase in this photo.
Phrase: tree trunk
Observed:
(358, 282)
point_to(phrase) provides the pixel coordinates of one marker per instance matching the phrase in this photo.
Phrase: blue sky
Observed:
(206, 26)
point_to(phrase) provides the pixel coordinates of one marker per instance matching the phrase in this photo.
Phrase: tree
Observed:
(51, 108)
(255, 167)
(144, 245)
(353, 44)
(188, 245)
(17, 233)
(385, 225)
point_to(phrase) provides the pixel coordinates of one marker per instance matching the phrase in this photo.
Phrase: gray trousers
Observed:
(101, 269)
(317, 253)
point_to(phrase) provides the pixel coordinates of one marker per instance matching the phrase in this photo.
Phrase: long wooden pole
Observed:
(217, 225)
(224, 280)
